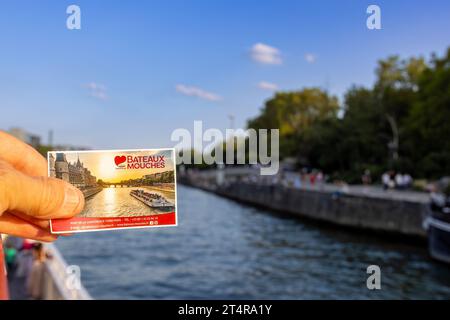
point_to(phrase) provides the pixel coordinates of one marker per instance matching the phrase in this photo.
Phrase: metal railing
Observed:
(57, 278)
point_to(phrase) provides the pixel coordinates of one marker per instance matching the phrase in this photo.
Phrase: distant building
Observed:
(159, 177)
(75, 173)
(62, 167)
(68, 147)
(21, 134)
(154, 176)
(51, 164)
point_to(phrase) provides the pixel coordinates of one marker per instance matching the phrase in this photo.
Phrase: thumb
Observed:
(39, 197)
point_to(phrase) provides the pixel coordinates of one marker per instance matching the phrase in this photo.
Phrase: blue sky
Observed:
(139, 69)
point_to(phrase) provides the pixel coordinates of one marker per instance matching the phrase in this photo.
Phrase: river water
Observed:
(225, 250)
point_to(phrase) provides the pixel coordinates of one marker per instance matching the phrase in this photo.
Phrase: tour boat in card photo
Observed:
(153, 200)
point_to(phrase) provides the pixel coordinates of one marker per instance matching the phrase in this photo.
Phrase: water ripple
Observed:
(225, 250)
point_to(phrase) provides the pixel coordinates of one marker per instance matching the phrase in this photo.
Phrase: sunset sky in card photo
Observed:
(102, 166)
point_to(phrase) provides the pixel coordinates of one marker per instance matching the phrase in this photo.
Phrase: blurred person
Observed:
(320, 180)
(10, 257)
(385, 179)
(391, 183)
(298, 181)
(25, 259)
(27, 244)
(312, 178)
(408, 180)
(35, 282)
(388, 180)
(319, 177)
(366, 178)
(14, 242)
(303, 177)
(399, 182)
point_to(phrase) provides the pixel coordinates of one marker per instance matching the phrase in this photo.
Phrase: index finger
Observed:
(22, 156)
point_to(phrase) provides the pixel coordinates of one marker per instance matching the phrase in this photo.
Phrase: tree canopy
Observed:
(402, 122)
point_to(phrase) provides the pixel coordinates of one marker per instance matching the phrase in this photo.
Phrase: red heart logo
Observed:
(119, 159)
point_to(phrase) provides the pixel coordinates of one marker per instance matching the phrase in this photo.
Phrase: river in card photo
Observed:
(122, 188)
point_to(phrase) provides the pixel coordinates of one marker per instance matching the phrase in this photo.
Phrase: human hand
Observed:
(28, 198)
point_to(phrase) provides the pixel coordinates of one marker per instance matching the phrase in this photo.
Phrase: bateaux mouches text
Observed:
(123, 189)
(145, 162)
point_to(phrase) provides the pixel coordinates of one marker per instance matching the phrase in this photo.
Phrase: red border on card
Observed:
(89, 224)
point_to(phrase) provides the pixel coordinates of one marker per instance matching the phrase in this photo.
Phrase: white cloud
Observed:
(267, 86)
(97, 90)
(197, 92)
(310, 58)
(265, 54)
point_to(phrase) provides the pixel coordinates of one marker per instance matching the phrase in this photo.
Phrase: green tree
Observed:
(378, 127)
(429, 120)
(360, 142)
(395, 91)
(294, 114)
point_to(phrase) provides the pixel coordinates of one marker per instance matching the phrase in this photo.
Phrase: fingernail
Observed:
(71, 199)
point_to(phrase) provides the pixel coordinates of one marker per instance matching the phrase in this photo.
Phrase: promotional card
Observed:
(123, 189)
